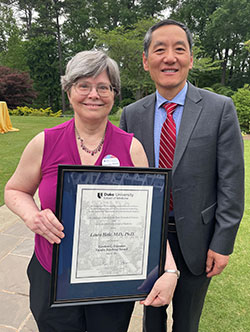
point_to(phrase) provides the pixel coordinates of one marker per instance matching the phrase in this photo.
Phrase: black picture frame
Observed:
(70, 177)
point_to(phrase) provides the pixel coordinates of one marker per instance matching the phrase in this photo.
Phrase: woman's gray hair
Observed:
(91, 64)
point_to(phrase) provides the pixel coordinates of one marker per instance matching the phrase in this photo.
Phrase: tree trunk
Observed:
(59, 46)
(224, 68)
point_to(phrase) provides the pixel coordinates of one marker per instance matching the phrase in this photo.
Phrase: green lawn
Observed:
(228, 301)
(13, 143)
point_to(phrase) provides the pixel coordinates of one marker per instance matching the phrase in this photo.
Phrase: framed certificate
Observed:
(114, 222)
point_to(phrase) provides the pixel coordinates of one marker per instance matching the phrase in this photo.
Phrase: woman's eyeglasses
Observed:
(84, 88)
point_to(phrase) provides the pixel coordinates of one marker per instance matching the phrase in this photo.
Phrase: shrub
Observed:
(26, 111)
(116, 116)
(222, 89)
(241, 100)
(16, 87)
(208, 88)
(126, 101)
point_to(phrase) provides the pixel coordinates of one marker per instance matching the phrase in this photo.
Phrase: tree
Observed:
(60, 29)
(76, 27)
(195, 14)
(149, 8)
(57, 13)
(7, 25)
(53, 10)
(227, 28)
(16, 87)
(83, 15)
(26, 10)
(11, 44)
(45, 22)
(128, 55)
(222, 26)
(110, 14)
(42, 59)
(201, 65)
(14, 55)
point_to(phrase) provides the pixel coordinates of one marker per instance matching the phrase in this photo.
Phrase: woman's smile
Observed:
(92, 105)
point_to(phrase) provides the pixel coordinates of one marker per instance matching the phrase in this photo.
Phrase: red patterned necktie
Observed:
(167, 142)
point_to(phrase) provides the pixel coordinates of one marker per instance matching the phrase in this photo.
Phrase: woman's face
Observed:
(92, 98)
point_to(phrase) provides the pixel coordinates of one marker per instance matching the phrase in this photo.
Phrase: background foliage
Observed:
(242, 102)
(15, 87)
(40, 36)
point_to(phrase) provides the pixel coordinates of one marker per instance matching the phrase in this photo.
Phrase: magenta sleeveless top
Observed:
(60, 148)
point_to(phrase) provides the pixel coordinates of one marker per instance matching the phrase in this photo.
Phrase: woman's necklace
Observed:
(83, 146)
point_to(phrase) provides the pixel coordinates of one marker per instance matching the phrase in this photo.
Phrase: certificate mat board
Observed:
(114, 222)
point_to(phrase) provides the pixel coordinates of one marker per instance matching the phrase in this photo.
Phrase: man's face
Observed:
(169, 60)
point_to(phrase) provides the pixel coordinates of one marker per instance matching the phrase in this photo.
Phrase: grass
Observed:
(228, 301)
(12, 144)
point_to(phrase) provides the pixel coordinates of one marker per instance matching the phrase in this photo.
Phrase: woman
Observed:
(91, 81)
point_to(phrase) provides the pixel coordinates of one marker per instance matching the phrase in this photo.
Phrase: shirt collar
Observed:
(178, 99)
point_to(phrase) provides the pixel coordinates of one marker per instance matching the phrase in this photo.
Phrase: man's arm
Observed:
(230, 190)
(164, 287)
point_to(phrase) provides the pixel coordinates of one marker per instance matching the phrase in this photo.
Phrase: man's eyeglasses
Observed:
(84, 88)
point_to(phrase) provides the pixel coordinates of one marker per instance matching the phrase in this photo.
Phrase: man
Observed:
(207, 172)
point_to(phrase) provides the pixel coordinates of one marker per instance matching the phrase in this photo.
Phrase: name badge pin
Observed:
(110, 160)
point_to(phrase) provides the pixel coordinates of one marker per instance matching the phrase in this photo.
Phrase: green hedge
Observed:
(241, 100)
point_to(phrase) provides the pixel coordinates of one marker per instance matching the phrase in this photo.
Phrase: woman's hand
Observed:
(47, 225)
(21, 187)
(162, 291)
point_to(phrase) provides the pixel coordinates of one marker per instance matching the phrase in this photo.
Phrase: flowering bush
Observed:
(26, 111)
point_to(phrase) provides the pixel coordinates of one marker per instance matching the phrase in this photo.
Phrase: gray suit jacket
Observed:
(208, 171)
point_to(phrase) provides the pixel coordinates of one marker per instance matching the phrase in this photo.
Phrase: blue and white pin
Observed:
(110, 160)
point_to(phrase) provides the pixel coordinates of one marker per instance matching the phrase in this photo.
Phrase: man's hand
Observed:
(162, 291)
(215, 263)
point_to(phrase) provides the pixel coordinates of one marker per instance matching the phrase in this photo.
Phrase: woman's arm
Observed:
(138, 154)
(21, 187)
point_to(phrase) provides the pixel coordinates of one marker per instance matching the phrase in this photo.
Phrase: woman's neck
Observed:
(91, 130)
(90, 139)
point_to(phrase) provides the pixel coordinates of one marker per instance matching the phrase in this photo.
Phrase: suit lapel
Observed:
(147, 118)
(190, 116)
